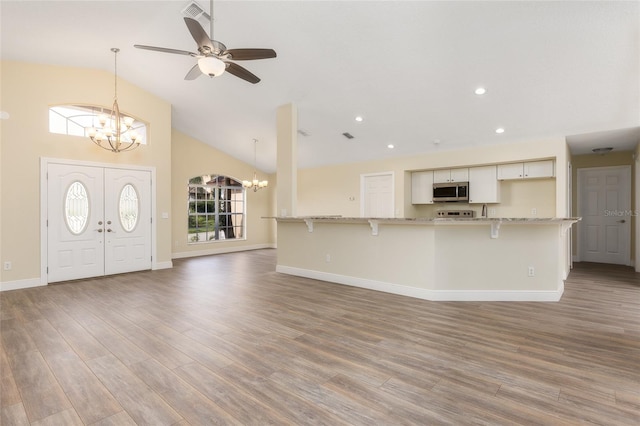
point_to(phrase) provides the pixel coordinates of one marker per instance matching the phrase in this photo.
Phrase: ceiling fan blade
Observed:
(165, 50)
(193, 73)
(249, 54)
(199, 34)
(241, 72)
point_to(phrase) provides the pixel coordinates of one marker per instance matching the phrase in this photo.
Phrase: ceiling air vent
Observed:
(348, 135)
(602, 150)
(193, 10)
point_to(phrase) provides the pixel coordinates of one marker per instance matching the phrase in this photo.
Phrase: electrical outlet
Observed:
(534, 211)
(7, 266)
(492, 212)
(531, 272)
(327, 258)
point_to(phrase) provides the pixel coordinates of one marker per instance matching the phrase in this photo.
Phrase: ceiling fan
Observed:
(213, 56)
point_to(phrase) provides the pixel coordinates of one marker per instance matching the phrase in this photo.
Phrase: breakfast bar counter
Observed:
(463, 259)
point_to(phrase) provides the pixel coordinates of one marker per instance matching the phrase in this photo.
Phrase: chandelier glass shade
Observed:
(115, 131)
(255, 183)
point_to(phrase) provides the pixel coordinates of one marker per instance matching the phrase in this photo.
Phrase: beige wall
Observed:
(27, 92)
(438, 261)
(335, 190)
(623, 158)
(637, 205)
(192, 158)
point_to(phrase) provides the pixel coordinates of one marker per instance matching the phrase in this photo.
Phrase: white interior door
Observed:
(99, 221)
(604, 204)
(127, 220)
(377, 195)
(75, 222)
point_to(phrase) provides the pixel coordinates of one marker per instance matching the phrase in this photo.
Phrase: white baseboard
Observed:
(223, 250)
(427, 294)
(19, 284)
(163, 265)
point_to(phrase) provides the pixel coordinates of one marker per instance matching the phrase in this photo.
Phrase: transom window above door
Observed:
(77, 120)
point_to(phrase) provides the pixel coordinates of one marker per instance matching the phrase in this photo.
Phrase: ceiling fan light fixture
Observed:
(211, 66)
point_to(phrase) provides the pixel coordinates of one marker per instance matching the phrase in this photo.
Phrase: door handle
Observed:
(621, 221)
(99, 230)
(109, 230)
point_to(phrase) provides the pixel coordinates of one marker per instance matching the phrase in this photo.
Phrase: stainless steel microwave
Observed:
(450, 191)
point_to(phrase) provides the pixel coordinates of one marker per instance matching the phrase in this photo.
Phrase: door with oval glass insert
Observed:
(127, 220)
(99, 221)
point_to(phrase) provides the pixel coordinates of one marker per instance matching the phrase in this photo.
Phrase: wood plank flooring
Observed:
(226, 340)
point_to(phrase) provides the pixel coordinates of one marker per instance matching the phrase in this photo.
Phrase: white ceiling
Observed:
(408, 67)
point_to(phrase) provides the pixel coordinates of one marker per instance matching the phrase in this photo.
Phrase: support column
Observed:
(287, 160)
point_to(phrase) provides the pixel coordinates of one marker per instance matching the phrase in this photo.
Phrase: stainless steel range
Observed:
(456, 213)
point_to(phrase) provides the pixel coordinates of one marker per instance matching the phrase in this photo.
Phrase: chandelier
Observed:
(255, 183)
(115, 132)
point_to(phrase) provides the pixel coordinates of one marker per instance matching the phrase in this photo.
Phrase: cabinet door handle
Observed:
(622, 221)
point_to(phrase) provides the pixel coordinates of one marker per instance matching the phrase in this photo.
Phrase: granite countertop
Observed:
(426, 220)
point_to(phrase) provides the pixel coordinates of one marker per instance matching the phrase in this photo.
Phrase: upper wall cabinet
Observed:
(528, 170)
(422, 187)
(484, 186)
(451, 175)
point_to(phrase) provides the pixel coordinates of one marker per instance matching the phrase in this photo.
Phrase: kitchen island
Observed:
(461, 259)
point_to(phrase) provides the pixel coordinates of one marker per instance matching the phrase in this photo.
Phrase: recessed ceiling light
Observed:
(481, 91)
(436, 141)
(499, 130)
(359, 118)
(391, 146)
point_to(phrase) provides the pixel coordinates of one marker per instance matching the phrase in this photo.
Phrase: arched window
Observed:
(77, 120)
(216, 209)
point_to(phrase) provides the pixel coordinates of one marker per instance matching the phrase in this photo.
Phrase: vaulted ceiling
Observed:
(409, 68)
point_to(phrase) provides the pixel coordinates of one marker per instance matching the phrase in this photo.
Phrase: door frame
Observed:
(579, 199)
(364, 176)
(44, 206)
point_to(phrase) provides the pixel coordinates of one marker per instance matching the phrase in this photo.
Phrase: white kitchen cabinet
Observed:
(510, 171)
(527, 170)
(484, 186)
(539, 169)
(451, 175)
(422, 187)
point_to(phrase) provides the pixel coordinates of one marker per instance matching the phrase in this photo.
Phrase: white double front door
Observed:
(98, 221)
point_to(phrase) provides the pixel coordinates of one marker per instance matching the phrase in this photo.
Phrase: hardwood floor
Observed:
(226, 340)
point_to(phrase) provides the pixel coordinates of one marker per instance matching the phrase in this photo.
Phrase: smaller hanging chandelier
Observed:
(116, 131)
(255, 183)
